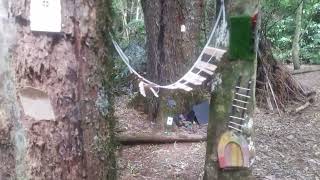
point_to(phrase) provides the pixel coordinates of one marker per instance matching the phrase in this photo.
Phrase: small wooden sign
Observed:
(45, 15)
(182, 86)
(218, 53)
(233, 151)
(206, 67)
(193, 78)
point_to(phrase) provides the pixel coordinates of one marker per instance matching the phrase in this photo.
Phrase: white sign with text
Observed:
(45, 15)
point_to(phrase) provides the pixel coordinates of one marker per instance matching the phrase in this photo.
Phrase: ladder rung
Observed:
(233, 117)
(235, 128)
(243, 95)
(238, 87)
(239, 107)
(240, 101)
(235, 124)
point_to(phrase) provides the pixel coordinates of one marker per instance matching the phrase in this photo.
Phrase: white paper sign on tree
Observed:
(45, 15)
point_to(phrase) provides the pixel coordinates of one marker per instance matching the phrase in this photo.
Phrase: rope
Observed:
(177, 85)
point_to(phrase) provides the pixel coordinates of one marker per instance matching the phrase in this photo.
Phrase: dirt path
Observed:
(288, 147)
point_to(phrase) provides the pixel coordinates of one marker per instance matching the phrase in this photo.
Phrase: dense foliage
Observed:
(278, 25)
(129, 31)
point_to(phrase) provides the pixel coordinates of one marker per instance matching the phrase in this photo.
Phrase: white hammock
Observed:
(193, 75)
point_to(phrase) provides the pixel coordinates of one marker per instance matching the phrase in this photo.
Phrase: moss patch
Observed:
(241, 41)
(107, 142)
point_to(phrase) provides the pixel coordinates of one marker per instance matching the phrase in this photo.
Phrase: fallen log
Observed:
(158, 139)
(310, 100)
(302, 71)
(307, 104)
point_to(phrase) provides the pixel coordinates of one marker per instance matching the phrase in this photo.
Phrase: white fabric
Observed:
(141, 89)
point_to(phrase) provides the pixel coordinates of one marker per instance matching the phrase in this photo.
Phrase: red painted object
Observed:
(254, 20)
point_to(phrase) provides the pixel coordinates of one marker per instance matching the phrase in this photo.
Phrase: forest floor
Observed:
(288, 147)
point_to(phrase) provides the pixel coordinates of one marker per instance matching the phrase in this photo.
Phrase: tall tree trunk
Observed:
(71, 72)
(8, 110)
(126, 18)
(137, 9)
(131, 10)
(296, 39)
(169, 50)
(221, 106)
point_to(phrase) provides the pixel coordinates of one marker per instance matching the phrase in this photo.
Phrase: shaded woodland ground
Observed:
(287, 147)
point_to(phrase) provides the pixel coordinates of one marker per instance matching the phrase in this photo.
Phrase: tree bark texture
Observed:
(296, 39)
(73, 67)
(227, 74)
(170, 52)
(7, 96)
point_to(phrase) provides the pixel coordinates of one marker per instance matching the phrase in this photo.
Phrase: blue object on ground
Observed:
(201, 112)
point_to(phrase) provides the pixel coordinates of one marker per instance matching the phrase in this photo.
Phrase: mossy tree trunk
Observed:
(74, 69)
(170, 51)
(8, 106)
(221, 101)
(228, 72)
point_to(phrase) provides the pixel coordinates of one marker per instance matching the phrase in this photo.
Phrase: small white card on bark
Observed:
(183, 28)
(45, 15)
(170, 121)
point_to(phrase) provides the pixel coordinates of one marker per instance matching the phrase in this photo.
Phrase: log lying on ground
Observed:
(158, 139)
(306, 70)
(303, 107)
(311, 99)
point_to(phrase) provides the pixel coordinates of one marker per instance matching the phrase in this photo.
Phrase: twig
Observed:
(274, 98)
(307, 104)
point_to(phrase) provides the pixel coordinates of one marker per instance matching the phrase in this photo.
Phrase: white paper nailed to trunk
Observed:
(170, 121)
(206, 67)
(36, 104)
(45, 15)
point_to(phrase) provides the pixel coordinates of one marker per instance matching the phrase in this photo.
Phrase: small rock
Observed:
(258, 158)
(270, 177)
(290, 137)
(40, 143)
(312, 161)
